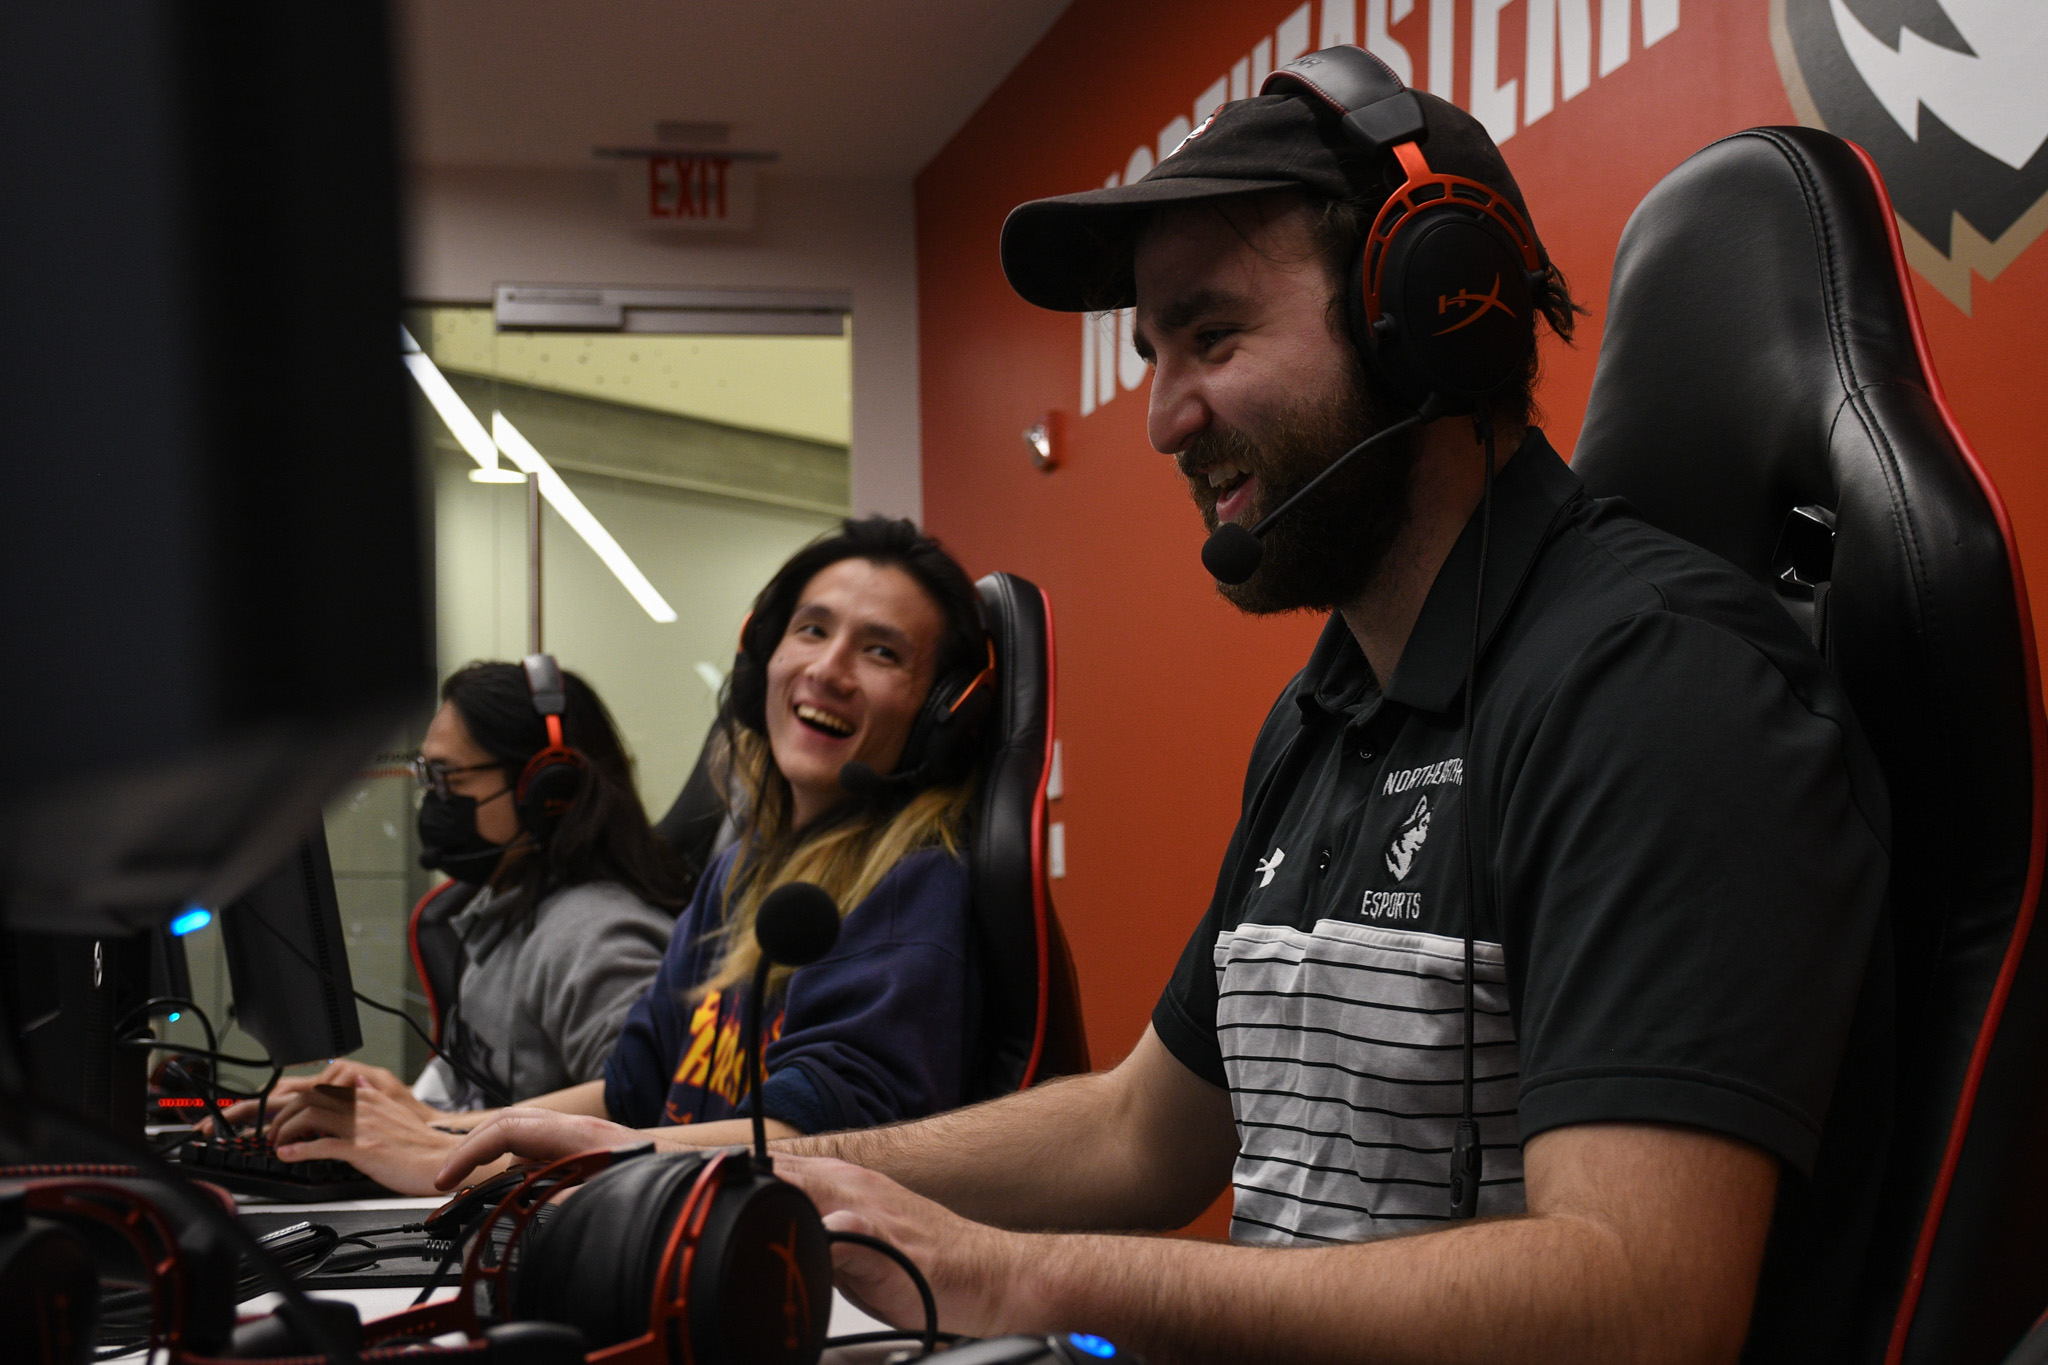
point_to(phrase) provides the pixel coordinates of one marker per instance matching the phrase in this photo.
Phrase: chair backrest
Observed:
(699, 822)
(1763, 355)
(1031, 1024)
(437, 952)
(1031, 1028)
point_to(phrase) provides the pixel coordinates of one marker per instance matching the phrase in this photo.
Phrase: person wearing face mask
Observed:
(561, 927)
(837, 658)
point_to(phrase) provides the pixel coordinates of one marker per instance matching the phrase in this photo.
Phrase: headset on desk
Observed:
(698, 1258)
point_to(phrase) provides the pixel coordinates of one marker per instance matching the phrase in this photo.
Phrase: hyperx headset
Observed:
(1440, 301)
(549, 782)
(680, 1259)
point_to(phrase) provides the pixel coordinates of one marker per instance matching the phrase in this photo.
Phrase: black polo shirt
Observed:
(1684, 836)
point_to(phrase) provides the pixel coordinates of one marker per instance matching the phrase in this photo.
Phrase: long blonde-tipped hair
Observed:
(847, 857)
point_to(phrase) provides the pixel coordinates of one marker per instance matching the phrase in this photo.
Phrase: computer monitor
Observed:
(212, 559)
(68, 997)
(288, 961)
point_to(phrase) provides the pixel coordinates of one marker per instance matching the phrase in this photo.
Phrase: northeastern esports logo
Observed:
(1950, 98)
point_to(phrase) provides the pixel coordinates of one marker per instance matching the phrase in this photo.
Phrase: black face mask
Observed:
(449, 842)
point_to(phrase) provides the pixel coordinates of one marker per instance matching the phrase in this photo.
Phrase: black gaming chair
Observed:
(1764, 390)
(1031, 1026)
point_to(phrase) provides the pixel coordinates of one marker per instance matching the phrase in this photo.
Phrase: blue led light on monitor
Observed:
(198, 917)
(174, 1016)
(1093, 1345)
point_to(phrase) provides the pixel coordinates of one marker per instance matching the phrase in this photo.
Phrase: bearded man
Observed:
(1659, 1002)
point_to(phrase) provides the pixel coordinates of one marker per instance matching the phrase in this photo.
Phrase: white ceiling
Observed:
(851, 88)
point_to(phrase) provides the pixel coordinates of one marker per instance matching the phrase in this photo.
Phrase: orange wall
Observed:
(1163, 686)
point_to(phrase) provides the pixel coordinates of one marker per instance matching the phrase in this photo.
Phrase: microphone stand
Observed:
(757, 1064)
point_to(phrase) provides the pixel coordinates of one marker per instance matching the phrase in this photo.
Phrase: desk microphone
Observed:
(796, 925)
(1231, 554)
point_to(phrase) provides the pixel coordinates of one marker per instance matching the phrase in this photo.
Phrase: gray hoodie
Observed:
(543, 997)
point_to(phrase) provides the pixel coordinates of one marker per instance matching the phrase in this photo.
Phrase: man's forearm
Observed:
(1511, 1290)
(1147, 1145)
(1642, 1244)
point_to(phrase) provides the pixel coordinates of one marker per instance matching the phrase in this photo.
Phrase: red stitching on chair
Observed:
(1039, 893)
(2037, 728)
(419, 966)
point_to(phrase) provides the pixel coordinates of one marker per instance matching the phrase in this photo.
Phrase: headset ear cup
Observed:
(1456, 307)
(748, 687)
(1376, 350)
(593, 1263)
(761, 1290)
(951, 748)
(547, 788)
(929, 722)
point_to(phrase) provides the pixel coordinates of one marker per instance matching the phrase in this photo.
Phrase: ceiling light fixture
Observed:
(483, 447)
(571, 509)
(468, 432)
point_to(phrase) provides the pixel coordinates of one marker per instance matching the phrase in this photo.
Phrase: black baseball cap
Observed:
(1073, 252)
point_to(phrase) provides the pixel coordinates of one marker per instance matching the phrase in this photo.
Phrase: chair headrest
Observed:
(1755, 293)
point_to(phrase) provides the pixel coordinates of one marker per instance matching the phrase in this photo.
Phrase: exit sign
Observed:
(690, 190)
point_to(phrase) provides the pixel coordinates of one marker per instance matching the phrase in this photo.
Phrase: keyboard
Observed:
(248, 1164)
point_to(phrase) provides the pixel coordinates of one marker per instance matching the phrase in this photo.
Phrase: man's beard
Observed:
(1327, 550)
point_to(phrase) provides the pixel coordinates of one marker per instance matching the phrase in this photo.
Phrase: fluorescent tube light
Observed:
(571, 508)
(468, 432)
(482, 448)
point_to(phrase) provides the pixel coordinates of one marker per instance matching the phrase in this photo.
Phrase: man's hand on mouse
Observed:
(975, 1271)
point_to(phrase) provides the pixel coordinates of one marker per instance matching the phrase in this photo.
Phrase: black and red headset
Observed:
(548, 784)
(1441, 299)
(698, 1258)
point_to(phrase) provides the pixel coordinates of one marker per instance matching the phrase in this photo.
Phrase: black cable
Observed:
(391, 1231)
(338, 1262)
(22, 1109)
(1467, 1154)
(893, 1334)
(491, 1090)
(454, 1252)
(930, 1335)
(263, 1097)
(187, 1050)
(440, 1275)
(757, 1064)
(209, 1084)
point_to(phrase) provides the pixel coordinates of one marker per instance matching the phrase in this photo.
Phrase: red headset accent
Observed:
(984, 678)
(1425, 188)
(547, 786)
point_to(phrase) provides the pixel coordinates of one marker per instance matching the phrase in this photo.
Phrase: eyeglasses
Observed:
(432, 774)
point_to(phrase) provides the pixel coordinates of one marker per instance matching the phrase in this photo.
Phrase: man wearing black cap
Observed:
(1600, 1075)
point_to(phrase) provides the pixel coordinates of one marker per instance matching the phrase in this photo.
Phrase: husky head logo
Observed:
(1949, 99)
(1407, 840)
(1197, 132)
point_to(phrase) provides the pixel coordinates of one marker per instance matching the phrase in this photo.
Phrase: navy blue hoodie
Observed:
(880, 1029)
